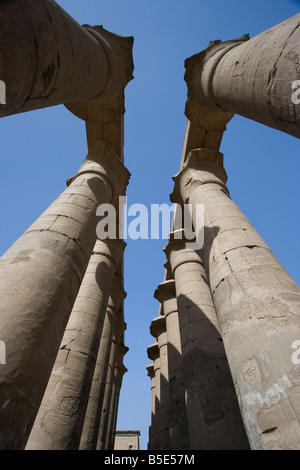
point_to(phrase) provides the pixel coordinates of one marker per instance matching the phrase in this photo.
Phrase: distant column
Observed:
(95, 404)
(257, 304)
(107, 403)
(158, 330)
(151, 374)
(251, 77)
(166, 294)
(153, 354)
(119, 372)
(59, 422)
(213, 415)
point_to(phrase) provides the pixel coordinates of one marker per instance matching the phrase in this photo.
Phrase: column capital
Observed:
(158, 326)
(109, 104)
(201, 105)
(112, 248)
(103, 161)
(153, 351)
(202, 166)
(150, 371)
(165, 291)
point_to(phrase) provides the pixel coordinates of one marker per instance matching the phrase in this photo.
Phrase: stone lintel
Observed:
(109, 104)
(201, 105)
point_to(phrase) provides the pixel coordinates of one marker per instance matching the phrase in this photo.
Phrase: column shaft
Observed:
(158, 330)
(40, 276)
(166, 294)
(257, 305)
(214, 420)
(95, 404)
(107, 404)
(153, 353)
(60, 419)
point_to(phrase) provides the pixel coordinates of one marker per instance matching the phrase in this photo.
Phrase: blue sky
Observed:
(41, 149)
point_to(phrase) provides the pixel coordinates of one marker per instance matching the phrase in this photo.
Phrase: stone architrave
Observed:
(158, 331)
(153, 354)
(257, 305)
(91, 425)
(60, 419)
(48, 59)
(251, 77)
(106, 407)
(213, 415)
(166, 295)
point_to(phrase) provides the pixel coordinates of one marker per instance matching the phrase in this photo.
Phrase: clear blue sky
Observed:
(41, 149)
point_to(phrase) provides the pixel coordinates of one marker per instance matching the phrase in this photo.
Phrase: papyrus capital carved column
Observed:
(60, 419)
(49, 59)
(213, 415)
(257, 305)
(95, 404)
(158, 331)
(118, 332)
(151, 374)
(40, 274)
(153, 354)
(166, 295)
(251, 77)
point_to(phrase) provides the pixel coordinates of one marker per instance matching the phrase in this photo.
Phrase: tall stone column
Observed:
(151, 374)
(47, 58)
(257, 304)
(91, 425)
(60, 419)
(40, 276)
(213, 415)
(153, 354)
(107, 403)
(166, 295)
(251, 77)
(158, 330)
(119, 372)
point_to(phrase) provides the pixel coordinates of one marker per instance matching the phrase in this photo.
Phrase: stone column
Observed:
(94, 408)
(107, 403)
(214, 420)
(151, 374)
(40, 276)
(49, 59)
(158, 330)
(119, 372)
(153, 354)
(253, 78)
(60, 419)
(257, 304)
(166, 295)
